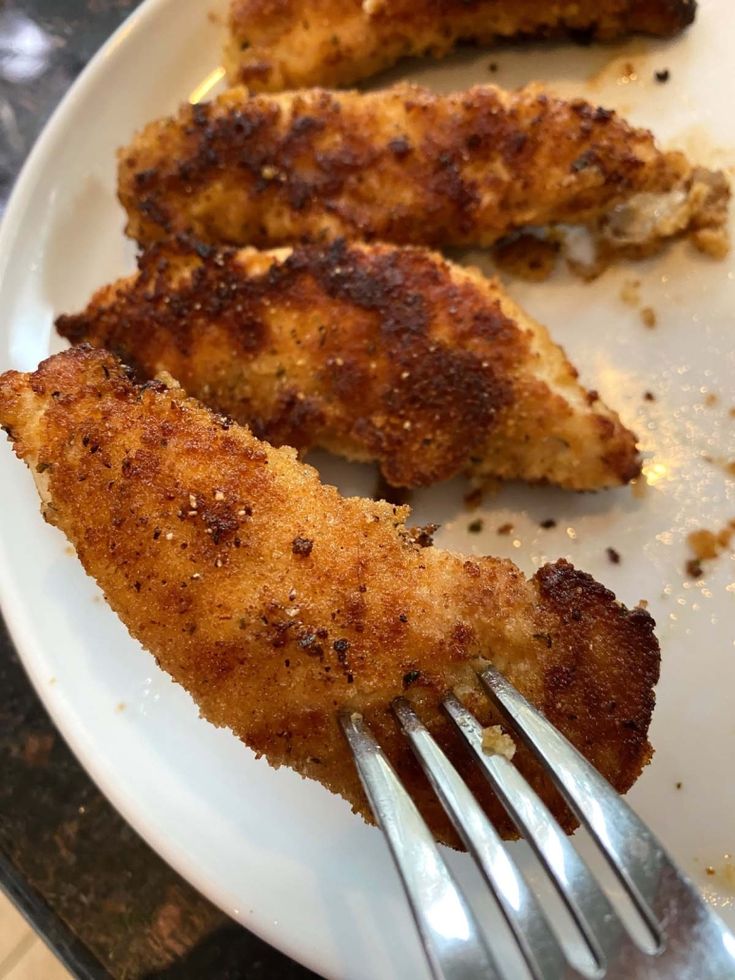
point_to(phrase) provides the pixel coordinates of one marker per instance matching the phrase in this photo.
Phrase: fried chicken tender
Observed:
(281, 44)
(278, 603)
(406, 166)
(372, 351)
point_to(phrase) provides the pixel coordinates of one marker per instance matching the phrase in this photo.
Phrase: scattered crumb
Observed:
(725, 873)
(730, 467)
(68, 550)
(662, 75)
(613, 556)
(703, 543)
(649, 396)
(473, 498)
(630, 292)
(679, 785)
(711, 399)
(548, 523)
(120, 707)
(731, 413)
(620, 69)
(527, 257)
(648, 315)
(496, 742)
(708, 545)
(474, 527)
(505, 529)
(642, 604)
(52, 681)
(423, 536)
(693, 568)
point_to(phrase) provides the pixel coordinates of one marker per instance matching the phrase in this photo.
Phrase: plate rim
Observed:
(19, 611)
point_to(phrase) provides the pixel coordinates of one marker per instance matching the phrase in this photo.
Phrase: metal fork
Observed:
(689, 942)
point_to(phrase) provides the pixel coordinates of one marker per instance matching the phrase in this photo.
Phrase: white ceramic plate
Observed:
(279, 854)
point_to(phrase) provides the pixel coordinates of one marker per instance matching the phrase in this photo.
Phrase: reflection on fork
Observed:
(687, 940)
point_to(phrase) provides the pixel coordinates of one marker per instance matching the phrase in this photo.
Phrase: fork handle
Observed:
(450, 933)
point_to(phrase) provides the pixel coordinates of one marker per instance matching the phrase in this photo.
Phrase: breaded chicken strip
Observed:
(406, 166)
(276, 602)
(281, 44)
(372, 351)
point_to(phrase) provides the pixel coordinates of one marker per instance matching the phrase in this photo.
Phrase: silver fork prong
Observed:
(539, 946)
(670, 905)
(453, 941)
(576, 885)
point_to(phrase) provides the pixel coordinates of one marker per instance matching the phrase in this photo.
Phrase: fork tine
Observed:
(538, 944)
(693, 941)
(576, 885)
(452, 939)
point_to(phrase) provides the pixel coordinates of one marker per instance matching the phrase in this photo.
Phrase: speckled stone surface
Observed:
(106, 903)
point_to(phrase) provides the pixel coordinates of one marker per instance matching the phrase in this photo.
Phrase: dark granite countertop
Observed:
(107, 904)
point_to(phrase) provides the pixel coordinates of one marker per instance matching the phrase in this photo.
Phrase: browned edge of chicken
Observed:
(371, 351)
(277, 603)
(281, 44)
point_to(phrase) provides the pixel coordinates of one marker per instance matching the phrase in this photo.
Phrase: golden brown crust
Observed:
(372, 351)
(276, 602)
(281, 44)
(399, 165)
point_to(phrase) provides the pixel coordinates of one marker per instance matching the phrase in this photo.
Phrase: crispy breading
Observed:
(277, 603)
(372, 351)
(409, 167)
(281, 44)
